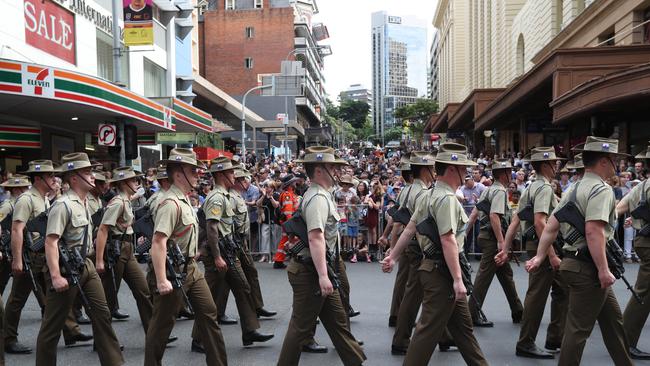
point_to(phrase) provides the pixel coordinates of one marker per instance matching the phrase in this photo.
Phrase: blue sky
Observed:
(348, 23)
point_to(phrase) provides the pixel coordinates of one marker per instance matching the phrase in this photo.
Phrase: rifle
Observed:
(113, 252)
(429, 228)
(484, 207)
(5, 238)
(570, 214)
(96, 218)
(176, 258)
(72, 263)
(143, 228)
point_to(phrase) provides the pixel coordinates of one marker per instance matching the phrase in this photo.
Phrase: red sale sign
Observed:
(50, 27)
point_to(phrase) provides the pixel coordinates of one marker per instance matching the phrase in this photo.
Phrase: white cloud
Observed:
(348, 22)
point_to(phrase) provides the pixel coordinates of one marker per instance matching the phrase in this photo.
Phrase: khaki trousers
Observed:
(486, 271)
(59, 305)
(540, 283)
(440, 310)
(408, 309)
(248, 266)
(21, 287)
(307, 306)
(128, 269)
(5, 274)
(400, 285)
(236, 280)
(636, 315)
(588, 303)
(163, 319)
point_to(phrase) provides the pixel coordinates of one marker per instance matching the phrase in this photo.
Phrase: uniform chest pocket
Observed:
(187, 217)
(241, 209)
(78, 220)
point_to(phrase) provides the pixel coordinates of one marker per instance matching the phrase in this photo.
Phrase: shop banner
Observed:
(138, 22)
(50, 28)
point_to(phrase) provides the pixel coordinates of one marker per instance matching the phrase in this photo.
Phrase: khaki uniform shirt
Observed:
(29, 205)
(69, 218)
(319, 212)
(94, 204)
(176, 219)
(541, 192)
(595, 200)
(633, 199)
(153, 201)
(7, 208)
(119, 215)
(242, 222)
(417, 191)
(218, 206)
(401, 197)
(498, 197)
(441, 203)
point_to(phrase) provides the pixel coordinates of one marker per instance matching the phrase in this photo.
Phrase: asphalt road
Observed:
(371, 293)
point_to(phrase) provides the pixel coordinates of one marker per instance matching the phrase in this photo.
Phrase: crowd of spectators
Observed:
(368, 187)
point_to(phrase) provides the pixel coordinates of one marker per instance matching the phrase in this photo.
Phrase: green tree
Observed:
(417, 115)
(354, 112)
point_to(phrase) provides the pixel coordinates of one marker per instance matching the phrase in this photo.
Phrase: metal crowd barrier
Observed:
(258, 247)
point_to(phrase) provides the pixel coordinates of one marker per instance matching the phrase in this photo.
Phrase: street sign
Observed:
(283, 117)
(288, 137)
(106, 134)
(175, 138)
(273, 130)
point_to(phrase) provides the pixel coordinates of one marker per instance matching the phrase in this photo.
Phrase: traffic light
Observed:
(130, 142)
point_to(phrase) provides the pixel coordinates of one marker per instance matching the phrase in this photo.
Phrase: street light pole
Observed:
(243, 120)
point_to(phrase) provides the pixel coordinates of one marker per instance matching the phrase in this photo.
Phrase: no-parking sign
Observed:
(106, 135)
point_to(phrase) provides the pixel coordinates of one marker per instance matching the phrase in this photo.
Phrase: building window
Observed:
(230, 4)
(248, 62)
(259, 4)
(250, 32)
(607, 38)
(155, 80)
(521, 52)
(105, 59)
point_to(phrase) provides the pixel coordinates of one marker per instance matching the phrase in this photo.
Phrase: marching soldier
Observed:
(28, 206)
(115, 230)
(95, 203)
(402, 269)
(313, 292)
(422, 164)
(539, 200)
(636, 315)
(242, 229)
(69, 232)
(444, 302)
(589, 279)
(221, 263)
(163, 182)
(16, 185)
(176, 226)
(491, 240)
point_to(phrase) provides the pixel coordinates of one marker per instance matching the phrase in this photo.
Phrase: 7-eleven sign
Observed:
(38, 81)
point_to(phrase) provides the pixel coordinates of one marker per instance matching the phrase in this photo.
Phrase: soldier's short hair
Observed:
(171, 169)
(441, 168)
(590, 158)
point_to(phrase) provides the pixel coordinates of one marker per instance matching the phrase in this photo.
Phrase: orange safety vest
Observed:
(288, 203)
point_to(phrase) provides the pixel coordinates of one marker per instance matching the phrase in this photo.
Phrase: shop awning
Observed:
(21, 137)
(557, 74)
(52, 95)
(441, 124)
(188, 118)
(430, 121)
(475, 103)
(626, 90)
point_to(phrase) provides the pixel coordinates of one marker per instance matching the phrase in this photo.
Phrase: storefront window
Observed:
(105, 59)
(155, 82)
